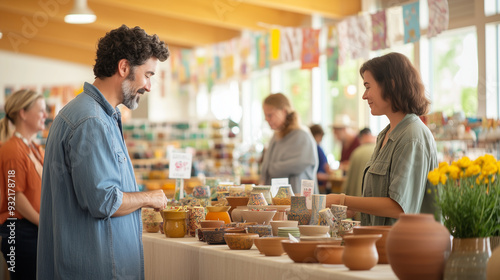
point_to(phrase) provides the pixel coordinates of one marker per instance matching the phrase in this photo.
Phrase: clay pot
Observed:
(303, 251)
(218, 213)
(493, 266)
(380, 244)
(174, 223)
(236, 213)
(271, 246)
(468, 259)
(235, 201)
(417, 247)
(211, 223)
(260, 217)
(360, 252)
(329, 254)
(298, 210)
(240, 241)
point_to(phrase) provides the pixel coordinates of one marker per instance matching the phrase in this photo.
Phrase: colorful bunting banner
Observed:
(379, 30)
(411, 22)
(332, 54)
(291, 44)
(275, 44)
(262, 51)
(310, 48)
(438, 17)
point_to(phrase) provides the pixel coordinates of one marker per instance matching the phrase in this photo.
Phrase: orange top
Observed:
(15, 160)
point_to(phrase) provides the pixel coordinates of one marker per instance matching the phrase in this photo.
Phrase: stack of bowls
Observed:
(284, 231)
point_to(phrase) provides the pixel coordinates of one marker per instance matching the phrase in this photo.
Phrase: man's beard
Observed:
(130, 96)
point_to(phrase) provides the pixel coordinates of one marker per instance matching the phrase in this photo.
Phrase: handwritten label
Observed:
(307, 189)
(180, 165)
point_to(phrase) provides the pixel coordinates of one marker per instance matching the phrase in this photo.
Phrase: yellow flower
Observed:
(463, 162)
(472, 170)
(455, 172)
(444, 167)
(434, 177)
(489, 159)
(489, 168)
(479, 161)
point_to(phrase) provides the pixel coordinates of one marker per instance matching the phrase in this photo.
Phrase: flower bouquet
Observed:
(468, 195)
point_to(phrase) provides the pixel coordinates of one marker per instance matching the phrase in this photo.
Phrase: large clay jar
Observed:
(360, 252)
(174, 223)
(493, 267)
(417, 247)
(298, 210)
(468, 259)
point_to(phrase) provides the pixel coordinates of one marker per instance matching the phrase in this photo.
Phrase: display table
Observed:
(188, 258)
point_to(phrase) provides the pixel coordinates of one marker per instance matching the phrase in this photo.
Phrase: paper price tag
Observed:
(276, 183)
(180, 166)
(307, 189)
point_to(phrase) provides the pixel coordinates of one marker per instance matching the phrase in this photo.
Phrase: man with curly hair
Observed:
(90, 214)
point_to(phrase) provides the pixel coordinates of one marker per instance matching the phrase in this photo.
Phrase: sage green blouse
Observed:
(399, 169)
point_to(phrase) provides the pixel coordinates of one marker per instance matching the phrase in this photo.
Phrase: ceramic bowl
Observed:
(240, 241)
(261, 230)
(276, 224)
(284, 231)
(245, 225)
(211, 223)
(152, 227)
(271, 246)
(260, 217)
(329, 254)
(303, 251)
(199, 233)
(257, 241)
(380, 244)
(214, 236)
(313, 230)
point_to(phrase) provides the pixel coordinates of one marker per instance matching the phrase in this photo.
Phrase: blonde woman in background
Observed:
(21, 162)
(291, 153)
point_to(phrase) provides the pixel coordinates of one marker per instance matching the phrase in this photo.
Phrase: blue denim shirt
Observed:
(86, 171)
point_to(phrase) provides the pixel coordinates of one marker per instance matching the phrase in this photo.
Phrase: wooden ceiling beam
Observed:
(222, 13)
(334, 9)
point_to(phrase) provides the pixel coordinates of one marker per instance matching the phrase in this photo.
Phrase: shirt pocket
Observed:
(377, 180)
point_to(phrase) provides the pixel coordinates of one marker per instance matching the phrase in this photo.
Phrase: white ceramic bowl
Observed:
(313, 230)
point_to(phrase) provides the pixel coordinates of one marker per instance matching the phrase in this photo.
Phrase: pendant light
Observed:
(80, 14)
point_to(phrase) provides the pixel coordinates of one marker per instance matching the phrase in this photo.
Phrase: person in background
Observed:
(357, 162)
(323, 166)
(395, 177)
(343, 132)
(21, 162)
(90, 215)
(291, 153)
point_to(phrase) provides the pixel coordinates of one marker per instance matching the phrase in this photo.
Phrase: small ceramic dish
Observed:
(240, 241)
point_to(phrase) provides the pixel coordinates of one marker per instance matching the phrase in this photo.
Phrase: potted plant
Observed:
(468, 195)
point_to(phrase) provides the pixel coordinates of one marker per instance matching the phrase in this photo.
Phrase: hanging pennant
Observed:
(379, 30)
(411, 22)
(439, 16)
(275, 44)
(291, 44)
(332, 54)
(360, 37)
(310, 48)
(395, 29)
(262, 51)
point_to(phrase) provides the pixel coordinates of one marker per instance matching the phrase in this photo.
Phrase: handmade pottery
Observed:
(276, 224)
(235, 201)
(271, 246)
(260, 217)
(174, 223)
(360, 252)
(214, 236)
(313, 230)
(329, 254)
(380, 244)
(303, 251)
(493, 266)
(318, 203)
(298, 210)
(151, 220)
(240, 241)
(211, 223)
(257, 199)
(196, 215)
(468, 259)
(261, 230)
(266, 192)
(218, 213)
(283, 196)
(417, 247)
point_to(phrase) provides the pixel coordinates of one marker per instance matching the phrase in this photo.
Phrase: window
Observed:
(492, 71)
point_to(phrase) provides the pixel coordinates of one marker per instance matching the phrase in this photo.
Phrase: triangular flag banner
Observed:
(262, 51)
(275, 44)
(439, 16)
(332, 54)
(343, 40)
(379, 30)
(291, 44)
(310, 48)
(395, 25)
(411, 15)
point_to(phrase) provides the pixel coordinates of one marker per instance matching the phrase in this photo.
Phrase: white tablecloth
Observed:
(187, 258)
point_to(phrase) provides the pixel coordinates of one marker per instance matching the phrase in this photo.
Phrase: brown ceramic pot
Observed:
(380, 244)
(329, 254)
(235, 201)
(417, 247)
(360, 252)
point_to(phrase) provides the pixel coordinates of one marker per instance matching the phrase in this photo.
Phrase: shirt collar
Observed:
(400, 127)
(93, 92)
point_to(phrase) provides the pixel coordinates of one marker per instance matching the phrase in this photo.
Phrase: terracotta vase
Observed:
(384, 230)
(417, 247)
(298, 210)
(468, 259)
(235, 201)
(493, 266)
(360, 252)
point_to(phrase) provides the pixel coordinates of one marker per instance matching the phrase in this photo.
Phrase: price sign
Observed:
(180, 165)
(307, 189)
